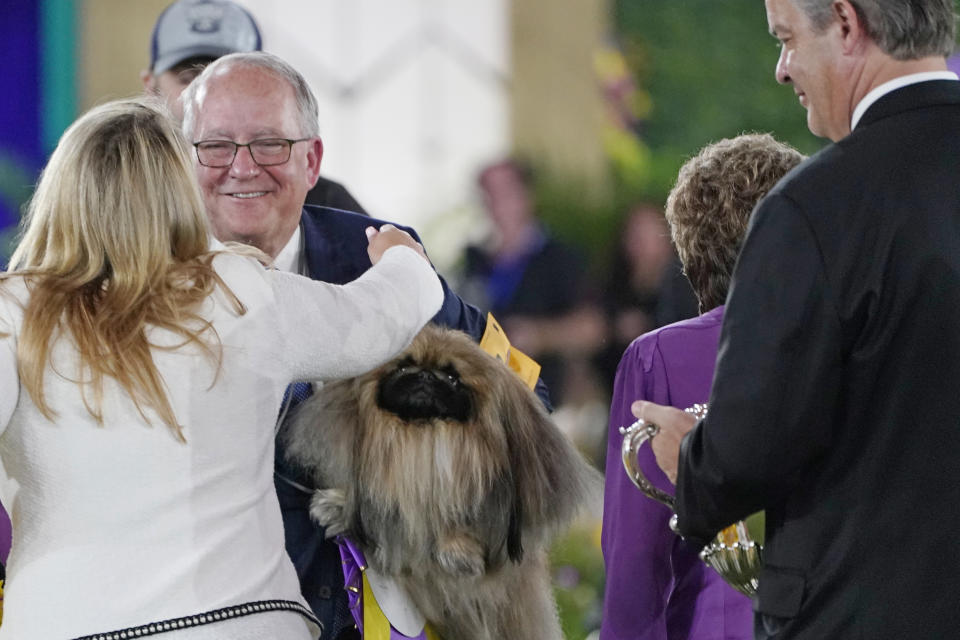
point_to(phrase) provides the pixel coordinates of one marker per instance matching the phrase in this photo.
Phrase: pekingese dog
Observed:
(449, 474)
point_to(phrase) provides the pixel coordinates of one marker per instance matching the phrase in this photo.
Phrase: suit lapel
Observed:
(335, 245)
(913, 96)
(323, 247)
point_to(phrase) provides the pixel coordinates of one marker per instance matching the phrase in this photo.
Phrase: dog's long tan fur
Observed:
(462, 514)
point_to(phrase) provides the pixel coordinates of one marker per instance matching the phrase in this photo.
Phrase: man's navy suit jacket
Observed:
(335, 245)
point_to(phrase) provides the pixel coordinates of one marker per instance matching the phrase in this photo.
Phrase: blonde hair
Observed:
(115, 239)
(711, 202)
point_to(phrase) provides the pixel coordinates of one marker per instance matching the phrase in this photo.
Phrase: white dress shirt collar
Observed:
(289, 257)
(881, 90)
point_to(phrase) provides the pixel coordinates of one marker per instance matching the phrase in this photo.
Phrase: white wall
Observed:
(413, 99)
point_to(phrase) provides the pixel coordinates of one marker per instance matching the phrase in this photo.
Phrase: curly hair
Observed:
(710, 204)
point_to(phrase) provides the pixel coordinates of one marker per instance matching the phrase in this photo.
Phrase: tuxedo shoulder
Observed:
(829, 173)
(329, 217)
(322, 215)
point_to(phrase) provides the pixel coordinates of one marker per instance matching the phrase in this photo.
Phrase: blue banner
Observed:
(38, 47)
(21, 144)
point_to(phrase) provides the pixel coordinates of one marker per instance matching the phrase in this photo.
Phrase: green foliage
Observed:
(705, 71)
(578, 578)
(756, 526)
(709, 68)
(583, 220)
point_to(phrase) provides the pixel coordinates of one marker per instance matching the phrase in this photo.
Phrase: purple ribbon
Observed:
(354, 564)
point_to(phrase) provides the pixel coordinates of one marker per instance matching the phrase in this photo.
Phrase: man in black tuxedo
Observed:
(836, 401)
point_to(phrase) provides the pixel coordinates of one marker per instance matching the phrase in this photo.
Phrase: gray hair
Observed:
(307, 110)
(903, 29)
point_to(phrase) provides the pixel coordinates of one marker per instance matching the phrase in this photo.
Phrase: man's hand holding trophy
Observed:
(736, 551)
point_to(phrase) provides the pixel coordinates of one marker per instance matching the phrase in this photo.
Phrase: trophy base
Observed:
(736, 553)
(738, 563)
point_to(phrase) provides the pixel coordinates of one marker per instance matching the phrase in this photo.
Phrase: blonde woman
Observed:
(141, 374)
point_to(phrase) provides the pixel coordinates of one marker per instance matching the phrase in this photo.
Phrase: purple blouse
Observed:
(656, 586)
(5, 536)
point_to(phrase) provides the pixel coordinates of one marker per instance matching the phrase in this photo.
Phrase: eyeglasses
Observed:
(266, 152)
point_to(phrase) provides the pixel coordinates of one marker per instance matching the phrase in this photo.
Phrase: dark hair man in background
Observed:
(835, 406)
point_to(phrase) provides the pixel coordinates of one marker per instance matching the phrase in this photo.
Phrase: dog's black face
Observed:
(415, 393)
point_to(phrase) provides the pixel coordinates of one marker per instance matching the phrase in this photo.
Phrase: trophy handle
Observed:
(633, 438)
(734, 553)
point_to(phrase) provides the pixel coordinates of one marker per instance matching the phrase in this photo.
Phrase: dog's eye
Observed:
(404, 365)
(451, 374)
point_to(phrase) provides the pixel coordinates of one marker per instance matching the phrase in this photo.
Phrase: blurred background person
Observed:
(642, 260)
(536, 285)
(189, 35)
(644, 287)
(657, 587)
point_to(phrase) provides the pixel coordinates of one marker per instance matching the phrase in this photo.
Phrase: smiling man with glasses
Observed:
(243, 119)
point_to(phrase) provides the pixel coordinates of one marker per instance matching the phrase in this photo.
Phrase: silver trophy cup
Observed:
(736, 553)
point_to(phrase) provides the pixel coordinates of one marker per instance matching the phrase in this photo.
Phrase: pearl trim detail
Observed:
(207, 617)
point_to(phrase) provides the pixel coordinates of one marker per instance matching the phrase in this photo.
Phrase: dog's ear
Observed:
(552, 479)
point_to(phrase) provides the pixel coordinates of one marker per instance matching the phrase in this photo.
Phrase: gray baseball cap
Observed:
(195, 28)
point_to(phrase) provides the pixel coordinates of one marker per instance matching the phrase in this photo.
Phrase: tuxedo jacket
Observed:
(335, 250)
(836, 400)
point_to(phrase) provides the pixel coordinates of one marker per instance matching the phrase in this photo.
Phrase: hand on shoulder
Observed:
(389, 236)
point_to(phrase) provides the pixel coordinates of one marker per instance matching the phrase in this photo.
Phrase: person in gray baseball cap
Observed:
(190, 34)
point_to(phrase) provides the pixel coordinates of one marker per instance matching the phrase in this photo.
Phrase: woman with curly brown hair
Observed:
(656, 585)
